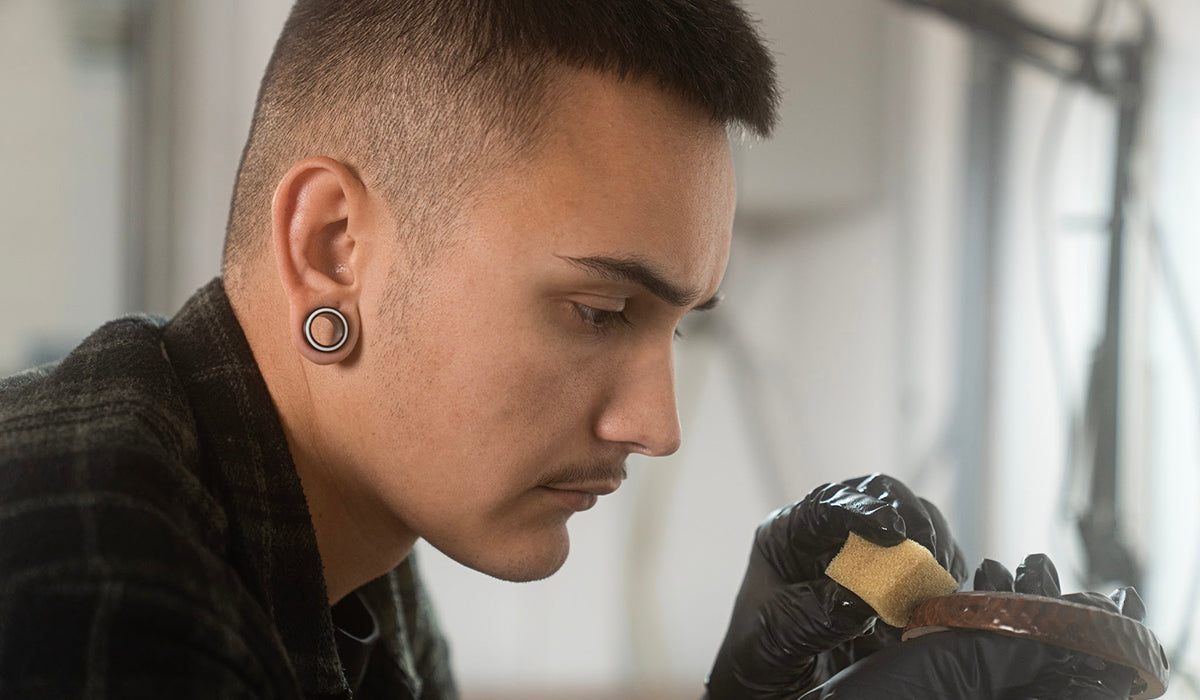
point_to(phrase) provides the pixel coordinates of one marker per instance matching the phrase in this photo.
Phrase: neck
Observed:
(356, 541)
(354, 550)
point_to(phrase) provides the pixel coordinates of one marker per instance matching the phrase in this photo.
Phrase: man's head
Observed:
(513, 203)
(423, 98)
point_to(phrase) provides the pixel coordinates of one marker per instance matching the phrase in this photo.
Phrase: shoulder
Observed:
(100, 451)
(117, 388)
(112, 548)
(103, 585)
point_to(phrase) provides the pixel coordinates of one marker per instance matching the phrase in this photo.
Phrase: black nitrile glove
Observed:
(1083, 676)
(990, 666)
(793, 627)
(952, 664)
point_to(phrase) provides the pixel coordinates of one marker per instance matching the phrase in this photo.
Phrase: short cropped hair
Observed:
(421, 97)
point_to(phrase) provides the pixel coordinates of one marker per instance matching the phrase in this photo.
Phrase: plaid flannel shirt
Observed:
(155, 540)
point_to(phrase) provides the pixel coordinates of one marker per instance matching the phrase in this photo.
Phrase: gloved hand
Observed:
(1083, 676)
(792, 627)
(986, 665)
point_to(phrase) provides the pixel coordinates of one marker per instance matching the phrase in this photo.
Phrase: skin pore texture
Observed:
(503, 393)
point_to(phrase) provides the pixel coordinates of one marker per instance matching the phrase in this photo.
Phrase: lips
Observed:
(596, 488)
(579, 496)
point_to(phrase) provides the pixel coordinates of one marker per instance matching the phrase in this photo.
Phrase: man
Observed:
(462, 237)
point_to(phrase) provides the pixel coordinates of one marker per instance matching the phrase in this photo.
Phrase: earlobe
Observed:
(338, 334)
(326, 336)
(318, 215)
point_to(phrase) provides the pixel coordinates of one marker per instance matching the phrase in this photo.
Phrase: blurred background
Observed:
(970, 258)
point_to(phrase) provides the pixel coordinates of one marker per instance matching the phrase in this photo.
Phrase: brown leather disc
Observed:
(1107, 635)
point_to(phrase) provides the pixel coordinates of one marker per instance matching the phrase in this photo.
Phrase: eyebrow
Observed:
(643, 274)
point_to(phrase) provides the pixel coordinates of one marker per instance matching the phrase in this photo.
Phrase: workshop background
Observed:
(920, 284)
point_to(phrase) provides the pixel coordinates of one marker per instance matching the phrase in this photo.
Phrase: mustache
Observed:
(592, 471)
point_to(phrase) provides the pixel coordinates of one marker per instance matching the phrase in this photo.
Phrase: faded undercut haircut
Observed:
(420, 98)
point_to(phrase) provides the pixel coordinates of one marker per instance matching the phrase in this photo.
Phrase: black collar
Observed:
(247, 462)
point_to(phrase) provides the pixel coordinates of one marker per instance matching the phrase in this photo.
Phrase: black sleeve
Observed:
(108, 589)
(73, 636)
(430, 649)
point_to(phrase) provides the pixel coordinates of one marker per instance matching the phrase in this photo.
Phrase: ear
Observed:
(317, 218)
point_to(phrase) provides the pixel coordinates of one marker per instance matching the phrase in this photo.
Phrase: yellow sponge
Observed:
(892, 580)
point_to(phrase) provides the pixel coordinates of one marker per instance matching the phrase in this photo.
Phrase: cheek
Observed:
(521, 383)
(496, 384)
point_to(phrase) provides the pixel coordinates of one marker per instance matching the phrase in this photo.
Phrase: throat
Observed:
(357, 539)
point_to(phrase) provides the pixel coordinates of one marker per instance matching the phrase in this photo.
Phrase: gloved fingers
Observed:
(917, 520)
(945, 549)
(923, 522)
(1083, 677)
(1093, 599)
(780, 651)
(1113, 682)
(811, 617)
(1096, 678)
(788, 614)
(1037, 576)
(1129, 603)
(881, 637)
(977, 665)
(793, 539)
(1106, 680)
(893, 492)
(838, 510)
(849, 615)
(993, 576)
(951, 664)
(882, 486)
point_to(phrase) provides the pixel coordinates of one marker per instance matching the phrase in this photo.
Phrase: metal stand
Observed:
(1117, 70)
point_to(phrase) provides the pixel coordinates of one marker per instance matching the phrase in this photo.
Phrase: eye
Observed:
(604, 320)
(600, 320)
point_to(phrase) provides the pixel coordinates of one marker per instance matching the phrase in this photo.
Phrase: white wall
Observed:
(65, 106)
(1173, 522)
(221, 51)
(1070, 243)
(50, 147)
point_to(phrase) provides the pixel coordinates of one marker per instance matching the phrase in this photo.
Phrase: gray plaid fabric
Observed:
(155, 541)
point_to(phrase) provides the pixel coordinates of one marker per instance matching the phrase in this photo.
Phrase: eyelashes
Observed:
(603, 321)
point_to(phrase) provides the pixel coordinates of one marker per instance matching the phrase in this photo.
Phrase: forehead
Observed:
(624, 170)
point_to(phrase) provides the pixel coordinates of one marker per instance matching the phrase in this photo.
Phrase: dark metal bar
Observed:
(1118, 70)
(989, 96)
(1109, 558)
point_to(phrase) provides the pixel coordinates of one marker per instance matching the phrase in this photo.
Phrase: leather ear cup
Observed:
(1096, 631)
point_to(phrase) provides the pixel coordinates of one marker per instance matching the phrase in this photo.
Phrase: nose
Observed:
(640, 412)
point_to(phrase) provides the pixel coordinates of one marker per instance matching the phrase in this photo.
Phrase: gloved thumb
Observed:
(798, 541)
(814, 616)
